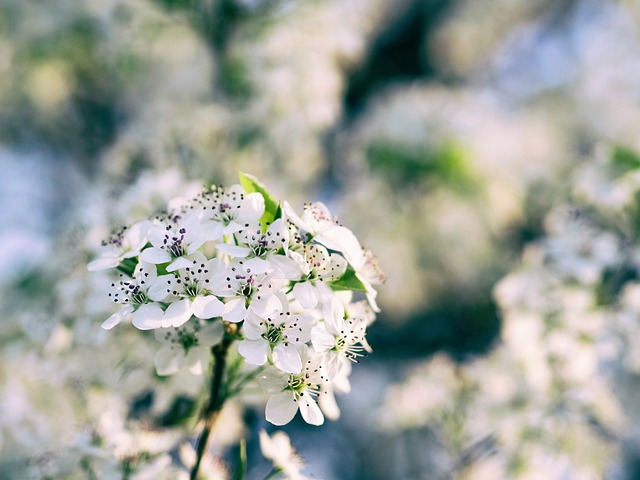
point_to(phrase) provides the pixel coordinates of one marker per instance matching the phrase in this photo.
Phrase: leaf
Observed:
(348, 281)
(128, 266)
(241, 469)
(272, 209)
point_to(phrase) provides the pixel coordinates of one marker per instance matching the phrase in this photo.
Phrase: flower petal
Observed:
(177, 314)
(178, 263)
(207, 307)
(155, 255)
(254, 351)
(160, 288)
(106, 260)
(117, 317)
(197, 360)
(169, 360)
(306, 294)
(234, 310)
(211, 333)
(266, 305)
(321, 339)
(253, 330)
(273, 380)
(281, 408)
(287, 358)
(234, 251)
(147, 317)
(310, 410)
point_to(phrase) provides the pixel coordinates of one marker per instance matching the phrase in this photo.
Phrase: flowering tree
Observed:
(235, 270)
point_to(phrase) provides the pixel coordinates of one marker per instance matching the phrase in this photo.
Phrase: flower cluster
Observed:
(235, 264)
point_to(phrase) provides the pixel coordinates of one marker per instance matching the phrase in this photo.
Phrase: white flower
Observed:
(318, 266)
(176, 237)
(125, 244)
(187, 345)
(316, 220)
(137, 296)
(253, 243)
(189, 292)
(293, 391)
(232, 207)
(248, 286)
(277, 337)
(278, 449)
(338, 338)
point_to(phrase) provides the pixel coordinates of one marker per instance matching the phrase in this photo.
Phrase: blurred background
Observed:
(485, 150)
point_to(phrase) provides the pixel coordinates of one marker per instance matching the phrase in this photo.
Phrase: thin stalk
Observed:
(216, 400)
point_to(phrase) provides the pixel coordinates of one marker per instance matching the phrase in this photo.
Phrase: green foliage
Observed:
(241, 468)
(624, 159)
(348, 281)
(403, 164)
(272, 210)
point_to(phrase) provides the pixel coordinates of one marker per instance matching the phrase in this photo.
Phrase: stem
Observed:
(216, 400)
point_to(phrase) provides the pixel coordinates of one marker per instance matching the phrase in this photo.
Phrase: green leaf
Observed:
(272, 209)
(241, 469)
(128, 266)
(624, 159)
(348, 281)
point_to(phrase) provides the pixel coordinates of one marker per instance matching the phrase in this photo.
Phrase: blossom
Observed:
(176, 237)
(189, 293)
(278, 336)
(278, 449)
(127, 243)
(248, 285)
(338, 338)
(187, 345)
(264, 246)
(291, 392)
(318, 267)
(137, 297)
(232, 207)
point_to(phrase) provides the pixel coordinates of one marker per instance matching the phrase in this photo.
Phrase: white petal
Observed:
(156, 234)
(265, 306)
(289, 267)
(254, 351)
(197, 360)
(253, 206)
(147, 317)
(178, 263)
(333, 312)
(329, 406)
(155, 255)
(211, 333)
(177, 314)
(310, 410)
(234, 251)
(343, 240)
(207, 307)
(306, 294)
(107, 260)
(321, 339)
(160, 288)
(256, 266)
(281, 408)
(169, 360)
(234, 310)
(287, 358)
(273, 380)
(136, 236)
(252, 328)
(117, 317)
